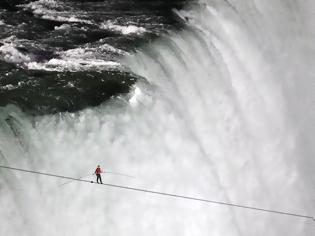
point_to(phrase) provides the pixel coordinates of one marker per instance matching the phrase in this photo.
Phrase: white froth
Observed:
(129, 29)
(72, 64)
(112, 49)
(71, 19)
(50, 10)
(134, 100)
(63, 27)
(7, 87)
(77, 59)
(10, 54)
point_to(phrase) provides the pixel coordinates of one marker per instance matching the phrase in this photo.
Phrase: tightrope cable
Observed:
(164, 194)
(105, 172)
(117, 173)
(70, 181)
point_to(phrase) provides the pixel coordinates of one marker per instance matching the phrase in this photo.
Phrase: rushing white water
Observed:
(130, 29)
(78, 59)
(228, 115)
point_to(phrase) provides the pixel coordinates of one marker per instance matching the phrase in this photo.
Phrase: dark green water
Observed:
(60, 56)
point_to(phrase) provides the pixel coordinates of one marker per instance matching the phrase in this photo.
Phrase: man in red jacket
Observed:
(98, 172)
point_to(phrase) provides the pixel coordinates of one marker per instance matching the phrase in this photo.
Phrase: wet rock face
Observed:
(65, 55)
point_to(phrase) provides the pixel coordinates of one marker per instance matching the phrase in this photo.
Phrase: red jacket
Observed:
(98, 170)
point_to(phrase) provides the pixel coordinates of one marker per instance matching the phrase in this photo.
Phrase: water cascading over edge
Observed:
(226, 115)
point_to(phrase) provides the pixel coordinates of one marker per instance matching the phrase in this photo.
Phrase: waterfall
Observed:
(225, 112)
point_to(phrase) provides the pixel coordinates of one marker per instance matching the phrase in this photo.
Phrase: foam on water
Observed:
(55, 10)
(78, 59)
(123, 29)
(63, 27)
(72, 64)
(10, 54)
(227, 115)
(7, 87)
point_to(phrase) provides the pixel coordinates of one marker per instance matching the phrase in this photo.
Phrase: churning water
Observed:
(225, 112)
